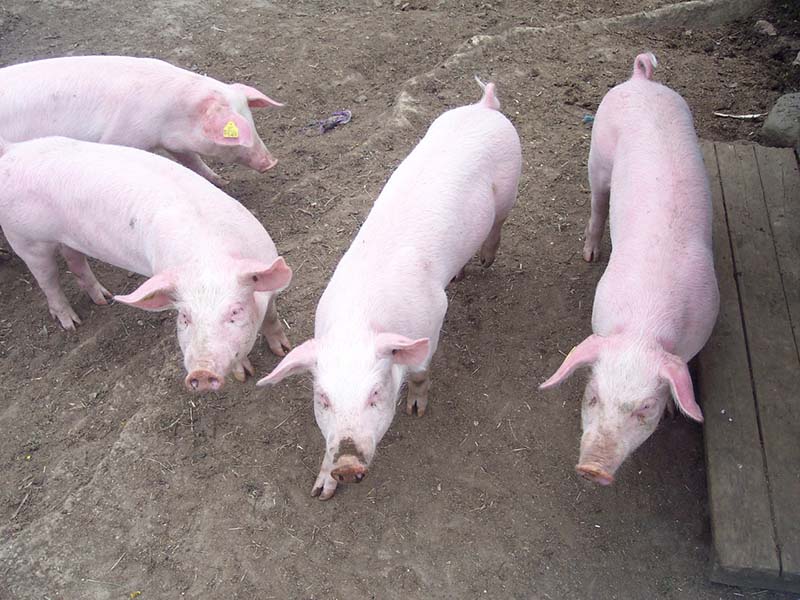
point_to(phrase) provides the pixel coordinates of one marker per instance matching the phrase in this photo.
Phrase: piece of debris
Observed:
(748, 117)
(587, 119)
(796, 61)
(340, 117)
(765, 28)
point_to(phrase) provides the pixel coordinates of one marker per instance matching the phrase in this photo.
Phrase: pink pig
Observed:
(379, 319)
(140, 102)
(206, 255)
(657, 301)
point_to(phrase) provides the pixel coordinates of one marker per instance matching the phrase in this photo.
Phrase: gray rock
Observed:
(782, 127)
(765, 28)
(796, 61)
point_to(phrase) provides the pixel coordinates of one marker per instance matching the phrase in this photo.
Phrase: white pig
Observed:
(206, 255)
(379, 319)
(657, 301)
(140, 102)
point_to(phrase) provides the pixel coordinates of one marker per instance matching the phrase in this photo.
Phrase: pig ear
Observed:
(402, 350)
(265, 278)
(157, 293)
(302, 358)
(255, 99)
(674, 371)
(583, 354)
(224, 126)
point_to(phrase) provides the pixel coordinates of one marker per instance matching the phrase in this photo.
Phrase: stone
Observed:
(782, 127)
(765, 28)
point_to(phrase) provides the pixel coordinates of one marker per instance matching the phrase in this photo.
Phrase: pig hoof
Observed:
(461, 274)
(67, 317)
(248, 366)
(591, 247)
(238, 374)
(279, 343)
(591, 253)
(100, 295)
(242, 370)
(218, 180)
(324, 487)
(420, 405)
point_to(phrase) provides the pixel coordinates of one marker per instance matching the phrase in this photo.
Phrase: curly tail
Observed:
(489, 100)
(643, 66)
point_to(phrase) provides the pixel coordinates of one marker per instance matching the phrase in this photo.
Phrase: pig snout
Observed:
(202, 380)
(261, 160)
(601, 455)
(349, 462)
(349, 473)
(594, 473)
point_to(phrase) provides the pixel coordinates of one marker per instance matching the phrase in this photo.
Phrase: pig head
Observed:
(220, 125)
(356, 385)
(629, 388)
(220, 311)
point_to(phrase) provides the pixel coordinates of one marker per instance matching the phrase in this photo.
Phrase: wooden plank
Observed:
(780, 179)
(773, 355)
(741, 522)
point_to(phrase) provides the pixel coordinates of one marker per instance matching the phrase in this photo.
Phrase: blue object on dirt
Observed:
(588, 119)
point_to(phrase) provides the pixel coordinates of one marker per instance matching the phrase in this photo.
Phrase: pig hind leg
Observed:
(600, 182)
(41, 260)
(192, 160)
(504, 193)
(419, 383)
(77, 263)
(273, 331)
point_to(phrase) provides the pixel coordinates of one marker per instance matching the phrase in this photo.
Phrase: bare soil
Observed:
(114, 480)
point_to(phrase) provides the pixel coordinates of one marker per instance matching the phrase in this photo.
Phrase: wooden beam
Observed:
(774, 363)
(741, 522)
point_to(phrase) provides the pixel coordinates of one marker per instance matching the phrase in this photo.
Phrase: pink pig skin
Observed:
(379, 319)
(657, 301)
(206, 255)
(140, 102)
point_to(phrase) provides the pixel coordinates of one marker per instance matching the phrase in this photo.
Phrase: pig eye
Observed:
(645, 411)
(592, 401)
(323, 401)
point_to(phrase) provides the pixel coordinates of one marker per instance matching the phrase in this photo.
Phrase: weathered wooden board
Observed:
(773, 347)
(757, 215)
(780, 179)
(741, 521)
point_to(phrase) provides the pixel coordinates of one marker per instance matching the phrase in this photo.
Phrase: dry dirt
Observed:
(114, 481)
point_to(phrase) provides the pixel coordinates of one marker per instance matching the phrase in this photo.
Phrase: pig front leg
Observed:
(325, 485)
(418, 385)
(192, 160)
(600, 182)
(79, 266)
(41, 260)
(273, 331)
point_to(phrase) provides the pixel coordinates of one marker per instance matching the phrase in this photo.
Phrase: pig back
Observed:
(124, 206)
(114, 99)
(445, 196)
(660, 276)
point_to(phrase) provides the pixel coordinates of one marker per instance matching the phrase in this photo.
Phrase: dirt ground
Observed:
(116, 483)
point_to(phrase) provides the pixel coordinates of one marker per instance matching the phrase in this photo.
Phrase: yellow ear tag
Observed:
(230, 130)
